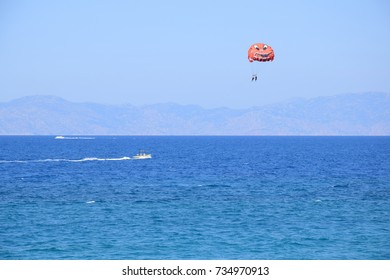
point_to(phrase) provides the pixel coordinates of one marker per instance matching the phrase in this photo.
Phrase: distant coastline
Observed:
(363, 114)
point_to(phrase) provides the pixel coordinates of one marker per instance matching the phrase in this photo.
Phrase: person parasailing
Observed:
(260, 52)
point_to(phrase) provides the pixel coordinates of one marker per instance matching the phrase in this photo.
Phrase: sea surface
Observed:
(196, 198)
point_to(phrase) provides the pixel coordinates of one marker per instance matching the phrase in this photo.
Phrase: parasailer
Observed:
(260, 52)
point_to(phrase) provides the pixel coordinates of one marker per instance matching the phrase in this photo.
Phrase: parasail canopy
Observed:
(260, 52)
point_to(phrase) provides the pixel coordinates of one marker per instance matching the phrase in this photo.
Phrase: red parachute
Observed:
(260, 52)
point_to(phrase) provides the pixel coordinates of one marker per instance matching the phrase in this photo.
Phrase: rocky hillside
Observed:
(347, 114)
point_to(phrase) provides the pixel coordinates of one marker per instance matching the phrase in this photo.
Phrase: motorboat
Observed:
(142, 155)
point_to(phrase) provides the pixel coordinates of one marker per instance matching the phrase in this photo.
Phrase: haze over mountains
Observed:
(346, 114)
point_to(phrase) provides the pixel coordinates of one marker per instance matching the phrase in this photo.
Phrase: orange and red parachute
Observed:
(260, 52)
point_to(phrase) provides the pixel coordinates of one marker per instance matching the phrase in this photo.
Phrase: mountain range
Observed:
(344, 114)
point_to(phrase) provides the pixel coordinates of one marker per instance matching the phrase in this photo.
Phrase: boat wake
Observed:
(98, 159)
(65, 160)
(73, 138)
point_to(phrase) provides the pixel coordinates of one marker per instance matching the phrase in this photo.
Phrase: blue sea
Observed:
(196, 198)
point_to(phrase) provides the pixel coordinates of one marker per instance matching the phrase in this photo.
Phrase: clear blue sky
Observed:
(192, 52)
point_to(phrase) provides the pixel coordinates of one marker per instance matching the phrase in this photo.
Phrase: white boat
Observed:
(59, 137)
(142, 155)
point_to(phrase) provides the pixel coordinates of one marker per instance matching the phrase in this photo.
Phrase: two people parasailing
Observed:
(260, 52)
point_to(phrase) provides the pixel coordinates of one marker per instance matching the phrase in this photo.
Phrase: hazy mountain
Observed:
(347, 114)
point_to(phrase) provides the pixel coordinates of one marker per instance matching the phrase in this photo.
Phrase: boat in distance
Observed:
(142, 155)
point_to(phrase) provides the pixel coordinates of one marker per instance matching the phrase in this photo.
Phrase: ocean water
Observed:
(197, 198)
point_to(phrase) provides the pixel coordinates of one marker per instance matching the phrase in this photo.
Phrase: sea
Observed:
(197, 198)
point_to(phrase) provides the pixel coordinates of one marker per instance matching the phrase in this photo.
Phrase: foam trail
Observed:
(65, 160)
(14, 161)
(98, 159)
(73, 138)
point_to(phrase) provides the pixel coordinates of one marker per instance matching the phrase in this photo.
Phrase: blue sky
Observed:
(192, 52)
